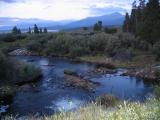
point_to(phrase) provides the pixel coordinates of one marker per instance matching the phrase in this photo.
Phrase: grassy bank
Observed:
(125, 111)
(13, 73)
(149, 110)
(141, 60)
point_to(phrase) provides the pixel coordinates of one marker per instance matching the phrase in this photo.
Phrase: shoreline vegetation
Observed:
(13, 75)
(111, 110)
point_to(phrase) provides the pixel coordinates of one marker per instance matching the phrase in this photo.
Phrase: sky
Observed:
(59, 10)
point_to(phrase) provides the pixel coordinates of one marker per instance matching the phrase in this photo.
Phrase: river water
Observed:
(51, 94)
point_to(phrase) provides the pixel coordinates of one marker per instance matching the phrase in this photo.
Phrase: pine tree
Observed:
(95, 28)
(98, 26)
(40, 30)
(29, 30)
(133, 18)
(45, 30)
(151, 25)
(19, 31)
(142, 4)
(36, 30)
(126, 25)
(15, 30)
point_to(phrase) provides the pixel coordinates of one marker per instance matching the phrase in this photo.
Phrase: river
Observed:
(51, 94)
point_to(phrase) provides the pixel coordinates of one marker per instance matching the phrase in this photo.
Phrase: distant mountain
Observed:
(7, 23)
(111, 19)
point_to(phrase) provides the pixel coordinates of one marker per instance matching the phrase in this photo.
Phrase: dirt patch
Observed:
(77, 81)
(103, 70)
(146, 74)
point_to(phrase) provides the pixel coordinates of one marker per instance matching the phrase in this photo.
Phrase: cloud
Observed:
(107, 10)
(8, 1)
(61, 9)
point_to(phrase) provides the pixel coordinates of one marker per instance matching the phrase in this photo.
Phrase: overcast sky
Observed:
(61, 9)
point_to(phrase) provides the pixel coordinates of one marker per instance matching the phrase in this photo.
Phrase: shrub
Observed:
(157, 73)
(107, 100)
(34, 46)
(98, 42)
(157, 92)
(60, 45)
(106, 65)
(7, 37)
(7, 93)
(70, 72)
(75, 51)
(7, 69)
(110, 30)
(156, 50)
(27, 73)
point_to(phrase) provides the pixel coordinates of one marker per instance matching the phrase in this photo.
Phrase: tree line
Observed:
(144, 20)
(36, 30)
(99, 27)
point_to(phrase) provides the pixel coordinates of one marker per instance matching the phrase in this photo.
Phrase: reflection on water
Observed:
(65, 104)
(51, 94)
(3, 109)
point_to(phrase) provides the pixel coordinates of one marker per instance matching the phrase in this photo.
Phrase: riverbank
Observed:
(108, 65)
(13, 75)
(122, 111)
(138, 61)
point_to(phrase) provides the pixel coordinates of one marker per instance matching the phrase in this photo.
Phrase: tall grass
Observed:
(124, 111)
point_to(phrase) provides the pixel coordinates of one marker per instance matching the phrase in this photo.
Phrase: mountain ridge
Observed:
(108, 19)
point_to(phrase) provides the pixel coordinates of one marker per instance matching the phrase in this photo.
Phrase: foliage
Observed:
(75, 51)
(7, 70)
(156, 50)
(126, 27)
(45, 30)
(70, 72)
(36, 29)
(77, 44)
(27, 73)
(6, 93)
(34, 46)
(144, 20)
(110, 30)
(157, 92)
(157, 73)
(108, 65)
(98, 26)
(85, 28)
(29, 30)
(107, 100)
(15, 30)
(14, 72)
(11, 37)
